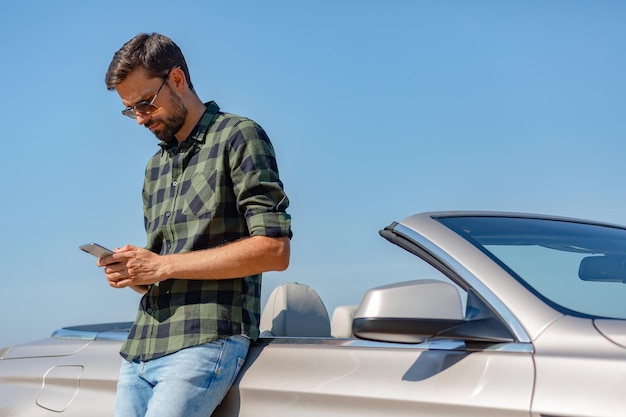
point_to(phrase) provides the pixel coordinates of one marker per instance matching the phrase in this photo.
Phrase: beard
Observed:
(171, 124)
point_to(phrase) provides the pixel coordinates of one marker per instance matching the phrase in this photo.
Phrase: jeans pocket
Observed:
(240, 362)
(236, 350)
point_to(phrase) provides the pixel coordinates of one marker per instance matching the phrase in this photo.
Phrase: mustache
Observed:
(152, 122)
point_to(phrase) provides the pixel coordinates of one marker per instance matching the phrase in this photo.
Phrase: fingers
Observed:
(123, 283)
(117, 257)
(116, 273)
(130, 265)
(125, 272)
(127, 248)
(119, 280)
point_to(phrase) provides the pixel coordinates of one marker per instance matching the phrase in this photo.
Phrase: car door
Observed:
(351, 377)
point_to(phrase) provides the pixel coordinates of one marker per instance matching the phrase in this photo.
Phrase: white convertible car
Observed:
(527, 318)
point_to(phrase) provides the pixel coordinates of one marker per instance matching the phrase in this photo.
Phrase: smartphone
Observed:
(96, 250)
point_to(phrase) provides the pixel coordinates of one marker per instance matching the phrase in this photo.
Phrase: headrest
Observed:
(295, 309)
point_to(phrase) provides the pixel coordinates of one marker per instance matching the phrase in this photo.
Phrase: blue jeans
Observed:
(191, 382)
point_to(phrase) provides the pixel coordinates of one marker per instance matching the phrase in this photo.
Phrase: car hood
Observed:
(614, 330)
(68, 341)
(43, 348)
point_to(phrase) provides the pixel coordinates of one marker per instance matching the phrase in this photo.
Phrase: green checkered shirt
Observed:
(221, 184)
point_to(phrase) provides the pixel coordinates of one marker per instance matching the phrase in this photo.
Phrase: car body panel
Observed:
(614, 330)
(586, 379)
(355, 378)
(44, 347)
(68, 384)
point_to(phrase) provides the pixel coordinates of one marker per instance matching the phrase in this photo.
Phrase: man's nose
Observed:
(142, 119)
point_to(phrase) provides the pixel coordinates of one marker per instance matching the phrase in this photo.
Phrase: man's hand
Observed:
(132, 266)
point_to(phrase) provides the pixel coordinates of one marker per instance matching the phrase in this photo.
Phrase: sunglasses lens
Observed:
(144, 108)
(129, 112)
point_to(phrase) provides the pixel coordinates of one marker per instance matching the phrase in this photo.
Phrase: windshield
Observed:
(578, 268)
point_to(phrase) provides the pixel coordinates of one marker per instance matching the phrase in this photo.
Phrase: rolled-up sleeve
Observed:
(260, 193)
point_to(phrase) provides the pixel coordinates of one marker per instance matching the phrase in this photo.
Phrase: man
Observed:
(214, 214)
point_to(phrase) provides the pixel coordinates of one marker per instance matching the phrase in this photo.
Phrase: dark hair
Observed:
(156, 53)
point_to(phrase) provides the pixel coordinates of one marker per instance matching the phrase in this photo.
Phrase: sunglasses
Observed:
(146, 107)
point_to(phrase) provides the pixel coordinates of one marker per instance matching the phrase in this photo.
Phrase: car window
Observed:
(576, 267)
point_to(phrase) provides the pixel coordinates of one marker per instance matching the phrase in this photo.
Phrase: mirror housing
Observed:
(410, 312)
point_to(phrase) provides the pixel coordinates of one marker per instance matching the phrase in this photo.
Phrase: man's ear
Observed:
(178, 80)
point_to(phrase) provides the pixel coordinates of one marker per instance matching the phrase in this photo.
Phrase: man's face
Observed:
(170, 114)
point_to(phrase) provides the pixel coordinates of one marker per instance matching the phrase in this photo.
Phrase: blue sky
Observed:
(377, 110)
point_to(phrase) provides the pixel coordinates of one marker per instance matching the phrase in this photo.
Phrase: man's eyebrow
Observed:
(140, 100)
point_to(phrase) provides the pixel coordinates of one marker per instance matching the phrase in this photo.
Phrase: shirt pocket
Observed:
(199, 195)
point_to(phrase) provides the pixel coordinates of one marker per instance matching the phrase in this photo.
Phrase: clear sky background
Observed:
(377, 110)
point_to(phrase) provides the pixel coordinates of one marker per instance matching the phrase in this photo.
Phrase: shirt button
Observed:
(149, 310)
(168, 214)
(175, 183)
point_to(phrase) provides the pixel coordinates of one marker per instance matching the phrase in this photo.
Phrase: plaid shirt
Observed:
(221, 184)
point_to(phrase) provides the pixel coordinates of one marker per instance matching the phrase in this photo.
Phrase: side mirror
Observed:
(410, 312)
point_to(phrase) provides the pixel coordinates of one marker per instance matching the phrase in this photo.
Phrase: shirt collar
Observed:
(197, 135)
